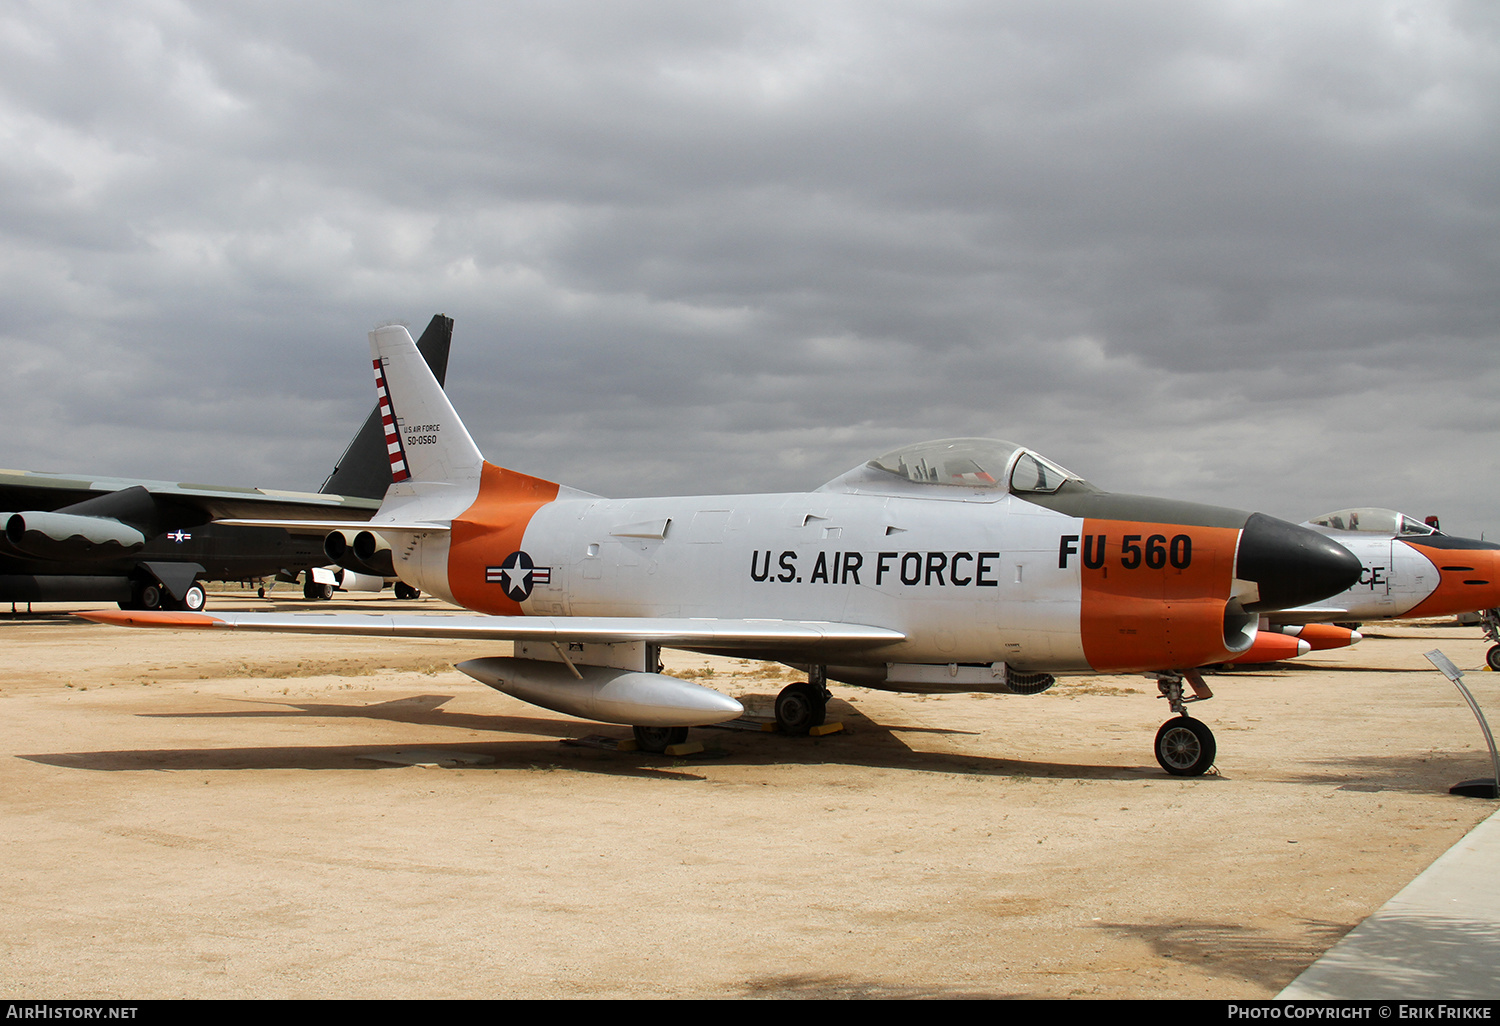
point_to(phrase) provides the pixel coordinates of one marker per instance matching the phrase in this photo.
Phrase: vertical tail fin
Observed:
(425, 439)
(365, 468)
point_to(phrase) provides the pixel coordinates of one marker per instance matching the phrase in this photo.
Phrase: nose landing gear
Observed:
(1185, 747)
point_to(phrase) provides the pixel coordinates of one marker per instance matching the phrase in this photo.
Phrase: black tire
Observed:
(406, 592)
(657, 739)
(194, 599)
(148, 596)
(315, 592)
(800, 707)
(1492, 658)
(1185, 747)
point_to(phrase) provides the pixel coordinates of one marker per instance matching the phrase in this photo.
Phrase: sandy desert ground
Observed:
(220, 815)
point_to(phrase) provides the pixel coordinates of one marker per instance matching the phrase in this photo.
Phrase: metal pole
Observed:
(1480, 788)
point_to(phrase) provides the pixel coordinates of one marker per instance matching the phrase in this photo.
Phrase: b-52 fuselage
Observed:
(957, 565)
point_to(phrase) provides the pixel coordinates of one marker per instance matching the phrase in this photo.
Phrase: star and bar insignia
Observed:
(517, 575)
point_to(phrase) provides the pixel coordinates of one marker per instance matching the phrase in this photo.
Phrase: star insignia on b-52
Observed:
(517, 574)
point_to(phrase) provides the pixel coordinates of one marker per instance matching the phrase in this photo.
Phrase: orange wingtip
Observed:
(134, 618)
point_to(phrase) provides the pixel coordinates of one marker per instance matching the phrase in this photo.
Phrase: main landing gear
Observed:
(804, 705)
(799, 708)
(150, 595)
(1184, 746)
(658, 739)
(648, 739)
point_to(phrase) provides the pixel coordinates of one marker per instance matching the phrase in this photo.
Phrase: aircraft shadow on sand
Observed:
(863, 743)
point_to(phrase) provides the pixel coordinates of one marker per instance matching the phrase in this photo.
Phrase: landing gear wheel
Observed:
(800, 707)
(1185, 747)
(316, 592)
(406, 592)
(148, 596)
(658, 739)
(194, 599)
(1492, 658)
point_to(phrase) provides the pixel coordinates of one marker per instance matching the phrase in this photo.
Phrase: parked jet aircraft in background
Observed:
(150, 544)
(1408, 569)
(957, 565)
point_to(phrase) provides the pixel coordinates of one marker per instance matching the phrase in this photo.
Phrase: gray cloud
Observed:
(1238, 253)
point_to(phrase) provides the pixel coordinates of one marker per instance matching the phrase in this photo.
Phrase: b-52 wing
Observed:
(24, 489)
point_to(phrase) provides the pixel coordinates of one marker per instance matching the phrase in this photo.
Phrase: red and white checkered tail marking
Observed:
(388, 421)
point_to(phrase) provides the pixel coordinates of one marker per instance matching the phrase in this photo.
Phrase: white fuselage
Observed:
(965, 580)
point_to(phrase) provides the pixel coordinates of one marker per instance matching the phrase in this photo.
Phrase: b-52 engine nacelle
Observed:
(66, 536)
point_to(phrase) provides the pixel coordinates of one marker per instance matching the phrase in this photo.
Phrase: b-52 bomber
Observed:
(960, 565)
(151, 544)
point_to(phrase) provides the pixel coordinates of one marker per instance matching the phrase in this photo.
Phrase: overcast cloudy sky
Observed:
(1239, 251)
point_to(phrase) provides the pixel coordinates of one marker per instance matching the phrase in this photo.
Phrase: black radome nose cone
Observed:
(1292, 565)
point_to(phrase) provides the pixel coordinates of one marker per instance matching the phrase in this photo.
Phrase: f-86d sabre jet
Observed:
(952, 566)
(1408, 569)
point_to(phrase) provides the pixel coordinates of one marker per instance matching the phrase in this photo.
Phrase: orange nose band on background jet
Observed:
(1469, 574)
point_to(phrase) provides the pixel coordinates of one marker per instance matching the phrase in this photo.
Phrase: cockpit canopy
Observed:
(983, 463)
(1374, 520)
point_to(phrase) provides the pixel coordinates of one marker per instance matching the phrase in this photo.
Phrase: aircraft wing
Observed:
(676, 632)
(25, 490)
(315, 526)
